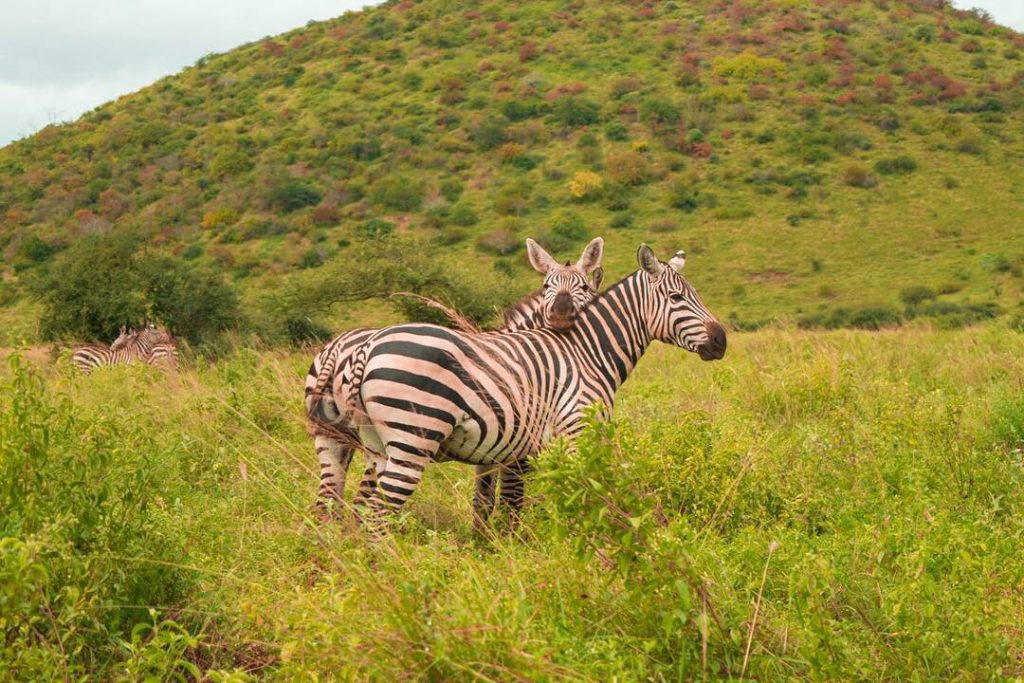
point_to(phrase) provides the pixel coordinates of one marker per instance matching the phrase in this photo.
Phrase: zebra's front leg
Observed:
(334, 458)
(483, 495)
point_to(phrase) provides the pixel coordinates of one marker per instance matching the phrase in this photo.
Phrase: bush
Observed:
(75, 509)
(292, 195)
(858, 176)
(661, 111)
(916, 294)
(398, 193)
(33, 249)
(573, 112)
(682, 195)
(500, 241)
(376, 228)
(463, 215)
(628, 168)
(585, 185)
(621, 220)
(616, 131)
(617, 197)
(901, 165)
(570, 226)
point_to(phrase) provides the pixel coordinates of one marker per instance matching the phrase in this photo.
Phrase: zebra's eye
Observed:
(675, 296)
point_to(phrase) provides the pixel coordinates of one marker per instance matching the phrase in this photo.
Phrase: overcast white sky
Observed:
(61, 58)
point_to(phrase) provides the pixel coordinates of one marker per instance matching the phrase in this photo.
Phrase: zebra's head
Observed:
(123, 338)
(678, 315)
(567, 288)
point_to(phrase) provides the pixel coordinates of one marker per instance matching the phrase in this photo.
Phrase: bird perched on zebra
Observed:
(566, 290)
(149, 345)
(424, 393)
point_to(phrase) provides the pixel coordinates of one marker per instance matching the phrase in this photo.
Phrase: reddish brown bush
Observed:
(528, 52)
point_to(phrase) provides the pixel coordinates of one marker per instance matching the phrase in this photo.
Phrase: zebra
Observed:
(425, 393)
(153, 345)
(142, 340)
(566, 290)
(129, 347)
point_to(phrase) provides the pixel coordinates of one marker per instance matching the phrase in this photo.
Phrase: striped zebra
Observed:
(151, 344)
(567, 289)
(129, 347)
(426, 393)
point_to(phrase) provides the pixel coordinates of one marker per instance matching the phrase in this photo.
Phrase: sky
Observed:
(62, 58)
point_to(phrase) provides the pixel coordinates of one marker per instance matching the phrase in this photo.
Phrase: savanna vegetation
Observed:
(840, 506)
(814, 158)
(825, 503)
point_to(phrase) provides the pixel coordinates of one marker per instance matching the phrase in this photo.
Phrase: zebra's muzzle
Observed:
(714, 347)
(562, 315)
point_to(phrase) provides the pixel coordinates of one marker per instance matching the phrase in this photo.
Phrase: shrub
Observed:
(570, 226)
(452, 189)
(900, 165)
(621, 220)
(585, 185)
(916, 294)
(33, 249)
(218, 218)
(576, 111)
(661, 111)
(399, 193)
(858, 176)
(75, 500)
(616, 131)
(489, 133)
(500, 241)
(292, 195)
(463, 215)
(628, 168)
(682, 195)
(376, 228)
(520, 110)
(617, 197)
(747, 66)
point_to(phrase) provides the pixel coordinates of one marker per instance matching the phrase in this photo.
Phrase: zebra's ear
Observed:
(539, 259)
(678, 261)
(648, 261)
(592, 255)
(596, 278)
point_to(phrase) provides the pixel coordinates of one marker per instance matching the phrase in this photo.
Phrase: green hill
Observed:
(820, 161)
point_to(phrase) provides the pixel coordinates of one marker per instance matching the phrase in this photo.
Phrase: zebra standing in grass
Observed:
(154, 346)
(150, 346)
(566, 291)
(426, 393)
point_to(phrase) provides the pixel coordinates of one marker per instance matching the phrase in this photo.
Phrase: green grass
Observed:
(860, 493)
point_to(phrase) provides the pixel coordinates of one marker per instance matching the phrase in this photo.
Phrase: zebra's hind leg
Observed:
(512, 485)
(334, 458)
(483, 495)
(368, 504)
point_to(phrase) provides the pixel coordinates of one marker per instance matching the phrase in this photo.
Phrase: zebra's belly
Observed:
(464, 445)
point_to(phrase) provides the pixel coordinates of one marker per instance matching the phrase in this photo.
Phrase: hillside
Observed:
(810, 156)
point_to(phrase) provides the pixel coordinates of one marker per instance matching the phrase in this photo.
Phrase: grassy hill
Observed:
(811, 156)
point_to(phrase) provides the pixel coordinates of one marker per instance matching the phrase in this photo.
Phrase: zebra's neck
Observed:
(613, 332)
(525, 314)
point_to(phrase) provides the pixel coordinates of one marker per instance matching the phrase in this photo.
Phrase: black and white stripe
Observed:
(425, 393)
(566, 290)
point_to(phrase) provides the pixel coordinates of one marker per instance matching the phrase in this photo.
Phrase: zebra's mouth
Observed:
(561, 323)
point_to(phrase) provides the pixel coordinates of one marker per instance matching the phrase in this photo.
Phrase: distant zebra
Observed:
(424, 393)
(150, 346)
(566, 291)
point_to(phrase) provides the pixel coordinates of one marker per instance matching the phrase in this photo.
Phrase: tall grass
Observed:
(842, 506)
